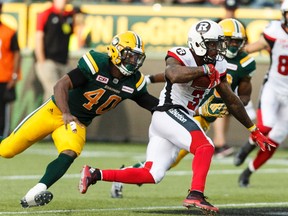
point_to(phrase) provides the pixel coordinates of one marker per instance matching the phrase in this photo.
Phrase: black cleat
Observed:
(244, 178)
(242, 154)
(224, 151)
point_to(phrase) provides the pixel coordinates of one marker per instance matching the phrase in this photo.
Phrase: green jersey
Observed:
(102, 92)
(241, 66)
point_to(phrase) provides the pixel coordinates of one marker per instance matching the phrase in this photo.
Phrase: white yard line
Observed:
(141, 208)
(169, 173)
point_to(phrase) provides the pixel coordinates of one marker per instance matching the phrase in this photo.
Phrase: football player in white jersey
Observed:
(272, 118)
(173, 127)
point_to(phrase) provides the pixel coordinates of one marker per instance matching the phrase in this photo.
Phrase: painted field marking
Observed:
(140, 208)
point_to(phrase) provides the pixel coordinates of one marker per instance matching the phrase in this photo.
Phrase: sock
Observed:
(56, 169)
(200, 166)
(262, 157)
(36, 189)
(129, 175)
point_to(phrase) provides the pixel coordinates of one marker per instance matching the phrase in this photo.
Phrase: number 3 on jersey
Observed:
(197, 96)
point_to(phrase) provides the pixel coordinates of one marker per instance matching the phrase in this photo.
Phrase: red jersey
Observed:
(57, 27)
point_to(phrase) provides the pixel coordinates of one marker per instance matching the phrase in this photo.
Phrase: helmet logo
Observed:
(203, 27)
(115, 41)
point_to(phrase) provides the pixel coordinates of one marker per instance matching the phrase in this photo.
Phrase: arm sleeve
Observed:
(77, 77)
(146, 101)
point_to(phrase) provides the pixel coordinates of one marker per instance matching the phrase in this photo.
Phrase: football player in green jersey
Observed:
(99, 83)
(240, 69)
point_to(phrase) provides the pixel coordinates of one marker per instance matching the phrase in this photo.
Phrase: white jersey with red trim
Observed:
(278, 72)
(183, 93)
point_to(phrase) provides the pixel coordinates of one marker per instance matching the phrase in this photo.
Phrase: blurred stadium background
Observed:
(161, 27)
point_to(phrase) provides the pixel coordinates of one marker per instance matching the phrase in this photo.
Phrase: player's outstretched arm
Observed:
(236, 108)
(257, 46)
(155, 78)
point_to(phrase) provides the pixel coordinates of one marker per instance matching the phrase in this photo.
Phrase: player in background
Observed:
(240, 69)
(173, 127)
(97, 85)
(272, 118)
(10, 65)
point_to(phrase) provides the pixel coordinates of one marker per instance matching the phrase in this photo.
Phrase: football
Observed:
(201, 82)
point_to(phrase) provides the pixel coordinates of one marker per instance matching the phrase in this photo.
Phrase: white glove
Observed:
(147, 79)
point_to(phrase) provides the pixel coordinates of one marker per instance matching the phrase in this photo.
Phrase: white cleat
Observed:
(116, 190)
(40, 199)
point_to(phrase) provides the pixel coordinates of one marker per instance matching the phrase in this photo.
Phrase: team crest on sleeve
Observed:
(181, 51)
(102, 79)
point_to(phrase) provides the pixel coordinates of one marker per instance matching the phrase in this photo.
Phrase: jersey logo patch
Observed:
(127, 89)
(181, 51)
(102, 79)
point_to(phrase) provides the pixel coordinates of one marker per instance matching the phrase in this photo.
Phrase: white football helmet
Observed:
(202, 37)
(284, 10)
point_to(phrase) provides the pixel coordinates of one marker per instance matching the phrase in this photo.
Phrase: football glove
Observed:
(217, 110)
(262, 141)
(213, 75)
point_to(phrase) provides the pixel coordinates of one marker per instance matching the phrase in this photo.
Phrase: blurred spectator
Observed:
(231, 6)
(54, 28)
(81, 36)
(9, 71)
(189, 1)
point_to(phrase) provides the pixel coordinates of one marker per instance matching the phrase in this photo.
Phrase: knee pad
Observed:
(6, 153)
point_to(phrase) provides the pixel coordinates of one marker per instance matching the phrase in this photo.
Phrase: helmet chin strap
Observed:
(123, 70)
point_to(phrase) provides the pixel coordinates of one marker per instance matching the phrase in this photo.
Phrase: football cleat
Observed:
(223, 151)
(40, 199)
(244, 178)
(198, 200)
(242, 154)
(88, 177)
(116, 190)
